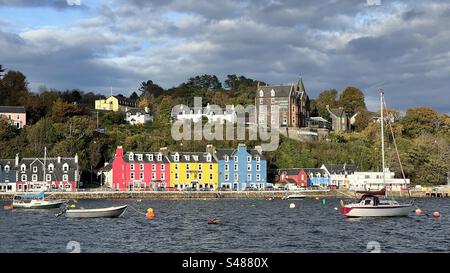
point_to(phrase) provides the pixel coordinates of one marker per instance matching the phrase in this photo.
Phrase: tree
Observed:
(327, 97)
(134, 96)
(62, 110)
(164, 111)
(112, 118)
(7, 131)
(14, 88)
(420, 120)
(352, 99)
(205, 82)
(150, 88)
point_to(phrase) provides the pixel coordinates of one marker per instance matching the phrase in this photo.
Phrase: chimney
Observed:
(119, 151)
(259, 149)
(59, 160)
(17, 160)
(146, 109)
(76, 158)
(257, 85)
(210, 149)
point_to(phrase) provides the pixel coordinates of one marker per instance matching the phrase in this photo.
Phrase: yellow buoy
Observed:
(150, 213)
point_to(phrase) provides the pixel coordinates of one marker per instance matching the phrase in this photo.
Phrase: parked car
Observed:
(206, 189)
(269, 188)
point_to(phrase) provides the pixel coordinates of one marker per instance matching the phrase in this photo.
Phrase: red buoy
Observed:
(436, 214)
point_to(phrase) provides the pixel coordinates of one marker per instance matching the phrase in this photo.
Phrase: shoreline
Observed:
(161, 195)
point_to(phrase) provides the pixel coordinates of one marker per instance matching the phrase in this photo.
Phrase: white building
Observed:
(213, 114)
(373, 181)
(138, 116)
(106, 175)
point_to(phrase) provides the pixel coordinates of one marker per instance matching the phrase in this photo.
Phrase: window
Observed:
(131, 157)
(200, 175)
(163, 167)
(188, 167)
(249, 159)
(210, 176)
(35, 169)
(153, 167)
(261, 93)
(65, 178)
(150, 157)
(131, 176)
(24, 178)
(176, 157)
(210, 166)
(227, 167)
(235, 167)
(48, 177)
(159, 157)
(261, 101)
(6, 168)
(51, 168)
(23, 167)
(65, 167)
(153, 176)
(258, 167)
(249, 167)
(258, 159)
(139, 156)
(199, 166)
(236, 177)
(176, 166)
(141, 167)
(249, 177)
(227, 177)
(227, 158)
(141, 176)
(132, 167)
(176, 176)
(34, 178)
(272, 93)
(188, 176)
(208, 158)
(236, 159)
(258, 177)
(163, 176)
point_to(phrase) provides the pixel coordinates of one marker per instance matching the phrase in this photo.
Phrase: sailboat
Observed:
(376, 204)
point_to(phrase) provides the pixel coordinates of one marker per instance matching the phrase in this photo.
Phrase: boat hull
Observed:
(38, 205)
(96, 213)
(376, 211)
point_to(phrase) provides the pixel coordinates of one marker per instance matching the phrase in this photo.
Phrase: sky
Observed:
(402, 47)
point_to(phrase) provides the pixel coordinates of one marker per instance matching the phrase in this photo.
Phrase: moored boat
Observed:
(370, 205)
(293, 196)
(110, 212)
(35, 201)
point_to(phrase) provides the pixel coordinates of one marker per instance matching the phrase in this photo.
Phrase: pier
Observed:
(179, 195)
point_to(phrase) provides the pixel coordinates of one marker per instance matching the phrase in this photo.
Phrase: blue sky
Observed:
(400, 46)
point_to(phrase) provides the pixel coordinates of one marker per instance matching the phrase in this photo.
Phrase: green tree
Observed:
(205, 82)
(352, 99)
(150, 88)
(420, 120)
(327, 97)
(14, 88)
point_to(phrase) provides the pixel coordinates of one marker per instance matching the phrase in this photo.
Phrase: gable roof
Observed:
(192, 157)
(339, 112)
(12, 109)
(340, 168)
(280, 90)
(222, 153)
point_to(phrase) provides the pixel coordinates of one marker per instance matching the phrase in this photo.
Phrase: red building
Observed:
(295, 176)
(140, 171)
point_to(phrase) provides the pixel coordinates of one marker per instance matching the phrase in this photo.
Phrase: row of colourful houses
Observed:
(235, 169)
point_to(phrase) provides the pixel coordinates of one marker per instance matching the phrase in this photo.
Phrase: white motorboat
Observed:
(293, 196)
(370, 205)
(35, 201)
(110, 212)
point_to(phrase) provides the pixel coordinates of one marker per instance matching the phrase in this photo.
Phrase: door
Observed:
(235, 186)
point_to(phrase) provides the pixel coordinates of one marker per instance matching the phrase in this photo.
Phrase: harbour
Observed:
(247, 225)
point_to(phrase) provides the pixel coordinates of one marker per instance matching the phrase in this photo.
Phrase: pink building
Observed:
(16, 115)
(134, 170)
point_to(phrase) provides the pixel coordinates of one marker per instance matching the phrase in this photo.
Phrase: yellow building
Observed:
(194, 170)
(114, 103)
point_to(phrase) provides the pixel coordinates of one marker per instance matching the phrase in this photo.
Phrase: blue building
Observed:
(241, 168)
(317, 177)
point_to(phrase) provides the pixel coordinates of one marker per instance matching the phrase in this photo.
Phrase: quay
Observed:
(180, 195)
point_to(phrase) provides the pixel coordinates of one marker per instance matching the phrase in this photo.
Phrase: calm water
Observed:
(248, 226)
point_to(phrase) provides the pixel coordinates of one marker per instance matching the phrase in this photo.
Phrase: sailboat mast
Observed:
(45, 168)
(382, 139)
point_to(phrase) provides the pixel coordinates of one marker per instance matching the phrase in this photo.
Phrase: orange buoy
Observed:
(436, 214)
(418, 211)
(7, 207)
(150, 213)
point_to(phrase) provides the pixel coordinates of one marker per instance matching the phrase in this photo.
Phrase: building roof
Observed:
(146, 158)
(340, 168)
(12, 109)
(134, 111)
(222, 153)
(192, 157)
(322, 172)
(280, 90)
(290, 171)
(57, 172)
(319, 119)
(339, 112)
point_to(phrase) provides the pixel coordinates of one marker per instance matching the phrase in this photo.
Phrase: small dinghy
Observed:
(110, 212)
(293, 196)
